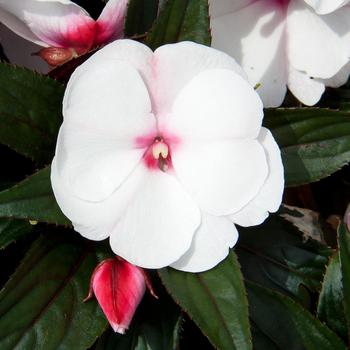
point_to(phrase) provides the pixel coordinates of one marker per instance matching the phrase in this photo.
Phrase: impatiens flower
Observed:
(118, 287)
(162, 152)
(302, 44)
(63, 25)
(19, 51)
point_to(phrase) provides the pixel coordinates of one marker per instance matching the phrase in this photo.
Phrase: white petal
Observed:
(223, 7)
(210, 244)
(108, 96)
(339, 79)
(222, 176)
(110, 24)
(131, 52)
(255, 37)
(175, 65)
(54, 23)
(19, 27)
(307, 90)
(95, 220)
(307, 35)
(93, 166)
(217, 104)
(270, 196)
(323, 7)
(158, 225)
(106, 108)
(19, 51)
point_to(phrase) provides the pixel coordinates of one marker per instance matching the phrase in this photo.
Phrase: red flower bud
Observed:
(55, 56)
(118, 287)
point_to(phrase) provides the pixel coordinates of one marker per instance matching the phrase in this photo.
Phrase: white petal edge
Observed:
(125, 51)
(339, 79)
(307, 33)
(174, 65)
(111, 22)
(269, 198)
(18, 27)
(93, 166)
(158, 225)
(217, 104)
(45, 23)
(95, 220)
(106, 108)
(210, 245)
(19, 50)
(221, 176)
(304, 88)
(323, 7)
(255, 37)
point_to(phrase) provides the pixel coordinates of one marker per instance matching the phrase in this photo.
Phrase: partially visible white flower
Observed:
(324, 7)
(162, 151)
(62, 23)
(19, 51)
(304, 45)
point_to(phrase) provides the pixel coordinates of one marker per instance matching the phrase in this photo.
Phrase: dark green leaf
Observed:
(11, 230)
(330, 307)
(16, 167)
(181, 20)
(156, 326)
(286, 324)
(344, 253)
(41, 306)
(32, 199)
(215, 300)
(276, 255)
(30, 112)
(314, 142)
(140, 17)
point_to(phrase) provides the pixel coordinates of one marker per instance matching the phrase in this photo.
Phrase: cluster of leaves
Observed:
(282, 287)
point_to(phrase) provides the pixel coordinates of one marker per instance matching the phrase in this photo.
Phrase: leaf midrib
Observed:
(55, 295)
(216, 306)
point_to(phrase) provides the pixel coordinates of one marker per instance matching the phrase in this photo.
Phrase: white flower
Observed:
(304, 45)
(162, 151)
(62, 23)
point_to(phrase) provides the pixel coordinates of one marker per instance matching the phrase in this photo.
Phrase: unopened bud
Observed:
(56, 56)
(118, 287)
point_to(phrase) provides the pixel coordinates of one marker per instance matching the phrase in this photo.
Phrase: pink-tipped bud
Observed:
(56, 56)
(118, 287)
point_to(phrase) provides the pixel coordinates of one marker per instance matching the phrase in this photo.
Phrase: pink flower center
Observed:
(158, 151)
(79, 35)
(158, 155)
(281, 3)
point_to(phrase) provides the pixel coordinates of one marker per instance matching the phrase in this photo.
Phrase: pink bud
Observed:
(55, 56)
(119, 287)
